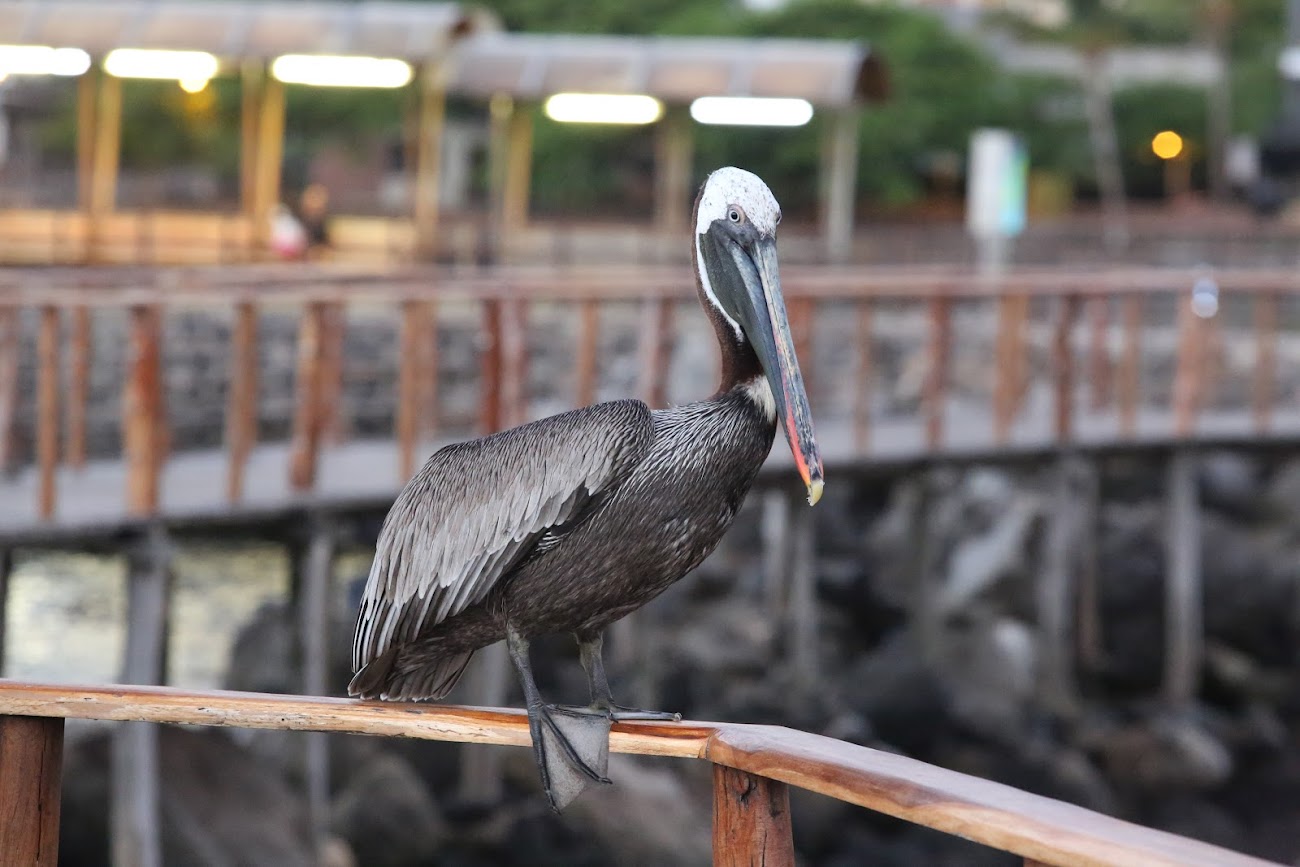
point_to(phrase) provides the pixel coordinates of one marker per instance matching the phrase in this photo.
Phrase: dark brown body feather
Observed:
(668, 485)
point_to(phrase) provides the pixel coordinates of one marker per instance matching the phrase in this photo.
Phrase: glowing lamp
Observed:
(42, 60)
(625, 108)
(1167, 145)
(159, 64)
(751, 111)
(324, 70)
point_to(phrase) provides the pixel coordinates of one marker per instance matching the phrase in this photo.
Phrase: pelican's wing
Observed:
(476, 507)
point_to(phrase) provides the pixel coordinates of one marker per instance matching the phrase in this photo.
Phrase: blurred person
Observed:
(288, 235)
(313, 213)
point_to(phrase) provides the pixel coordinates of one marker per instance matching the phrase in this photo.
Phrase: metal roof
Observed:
(674, 69)
(238, 29)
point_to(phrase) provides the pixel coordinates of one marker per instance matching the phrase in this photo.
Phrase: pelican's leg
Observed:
(590, 648)
(572, 750)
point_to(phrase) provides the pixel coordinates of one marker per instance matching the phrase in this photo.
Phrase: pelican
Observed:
(569, 523)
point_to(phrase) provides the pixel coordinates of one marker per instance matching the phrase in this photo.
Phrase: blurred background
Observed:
(261, 258)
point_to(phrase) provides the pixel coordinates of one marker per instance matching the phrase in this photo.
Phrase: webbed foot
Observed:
(572, 750)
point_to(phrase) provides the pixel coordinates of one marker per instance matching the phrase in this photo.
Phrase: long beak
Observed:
(770, 334)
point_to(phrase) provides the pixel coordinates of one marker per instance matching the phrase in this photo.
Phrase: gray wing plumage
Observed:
(475, 508)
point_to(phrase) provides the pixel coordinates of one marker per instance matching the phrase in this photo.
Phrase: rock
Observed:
(387, 815)
(898, 693)
(1166, 753)
(219, 803)
(988, 668)
(1230, 483)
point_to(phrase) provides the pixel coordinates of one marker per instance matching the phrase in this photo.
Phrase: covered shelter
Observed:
(439, 49)
(835, 76)
(102, 42)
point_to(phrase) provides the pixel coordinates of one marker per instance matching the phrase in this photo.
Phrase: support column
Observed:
(314, 586)
(1183, 593)
(1056, 592)
(487, 682)
(87, 114)
(101, 187)
(251, 81)
(674, 152)
(839, 188)
(519, 168)
(269, 157)
(430, 120)
(134, 807)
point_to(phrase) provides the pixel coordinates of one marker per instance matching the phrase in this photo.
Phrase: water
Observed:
(66, 619)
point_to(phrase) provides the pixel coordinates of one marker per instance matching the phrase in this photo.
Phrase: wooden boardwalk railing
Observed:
(753, 766)
(1117, 308)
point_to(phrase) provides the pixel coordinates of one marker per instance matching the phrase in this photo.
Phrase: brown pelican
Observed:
(569, 523)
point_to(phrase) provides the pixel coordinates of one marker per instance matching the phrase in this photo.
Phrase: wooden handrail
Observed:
(1036, 828)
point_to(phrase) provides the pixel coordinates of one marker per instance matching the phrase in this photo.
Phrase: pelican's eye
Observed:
(734, 215)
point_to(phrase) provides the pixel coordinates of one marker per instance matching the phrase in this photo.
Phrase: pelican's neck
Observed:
(739, 361)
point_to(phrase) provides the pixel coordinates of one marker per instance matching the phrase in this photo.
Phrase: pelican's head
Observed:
(736, 217)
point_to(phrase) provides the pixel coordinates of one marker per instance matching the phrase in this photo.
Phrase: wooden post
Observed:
(142, 421)
(74, 444)
(134, 807)
(519, 167)
(241, 408)
(655, 350)
(330, 385)
(1063, 368)
(428, 159)
(411, 371)
(1009, 357)
(1188, 374)
(304, 451)
(47, 409)
(751, 820)
(839, 189)
(1264, 383)
(1130, 364)
(490, 359)
(430, 385)
(1099, 367)
(934, 397)
(10, 349)
(514, 362)
(588, 349)
(862, 389)
(315, 586)
(673, 155)
(31, 770)
(1089, 644)
(1183, 595)
(269, 156)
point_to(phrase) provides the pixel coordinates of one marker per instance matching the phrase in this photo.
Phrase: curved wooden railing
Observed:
(753, 765)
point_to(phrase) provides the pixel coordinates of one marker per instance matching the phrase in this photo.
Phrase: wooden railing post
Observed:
(307, 421)
(514, 362)
(143, 432)
(74, 443)
(751, 820)
(862, 390)
(588, 343)
(1099, 366)
(10, 348)
(490, 359)
(1063, 366)
(1009, 355)
(934, 398)
(47, 408)
(656, 350)
(1130, 364)
(31, 767)
(241, 408)
(412, 369)
(1265, 381)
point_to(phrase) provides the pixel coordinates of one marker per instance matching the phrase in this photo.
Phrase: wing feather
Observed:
(475, 508)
